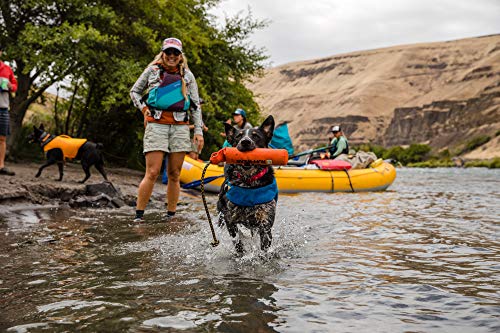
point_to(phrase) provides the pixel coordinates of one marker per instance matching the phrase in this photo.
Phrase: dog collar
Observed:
(254, 177)
(44, 136)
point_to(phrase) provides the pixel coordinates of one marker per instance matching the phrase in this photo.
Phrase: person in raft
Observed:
(240, 122)
(339, 144)
(171, 90)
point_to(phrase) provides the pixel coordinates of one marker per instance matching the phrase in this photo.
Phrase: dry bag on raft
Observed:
(335, 165)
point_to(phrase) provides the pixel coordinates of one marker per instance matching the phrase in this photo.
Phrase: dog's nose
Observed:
(246, 142)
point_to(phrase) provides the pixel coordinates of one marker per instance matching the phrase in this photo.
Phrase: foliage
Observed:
(491, 164)
(102, 47)
(413, 154)
(475, 143)
(434, 163)
(379, 151)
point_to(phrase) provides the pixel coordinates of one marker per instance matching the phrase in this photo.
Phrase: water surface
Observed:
(420, 257)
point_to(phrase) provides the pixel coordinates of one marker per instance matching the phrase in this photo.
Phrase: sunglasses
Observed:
(171, 51)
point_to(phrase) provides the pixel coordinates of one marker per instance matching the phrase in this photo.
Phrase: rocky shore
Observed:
(24, 189)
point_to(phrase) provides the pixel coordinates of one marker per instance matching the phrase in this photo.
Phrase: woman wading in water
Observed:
(172, 89)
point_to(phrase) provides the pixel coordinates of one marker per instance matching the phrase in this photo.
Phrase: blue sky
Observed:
(309, 29)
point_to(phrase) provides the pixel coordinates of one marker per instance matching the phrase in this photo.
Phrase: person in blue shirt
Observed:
(339, 144)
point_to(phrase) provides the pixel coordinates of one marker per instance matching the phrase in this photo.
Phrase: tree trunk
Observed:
(18, 108)
(85, 109)
(20, 103)
(70, 109)
(56, 113)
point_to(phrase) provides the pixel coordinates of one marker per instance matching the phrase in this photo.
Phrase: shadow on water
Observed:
(422, 256)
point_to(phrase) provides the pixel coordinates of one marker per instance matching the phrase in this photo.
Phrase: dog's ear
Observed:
(34, 128)
(230, 131)
(42, 128)
(267, 128)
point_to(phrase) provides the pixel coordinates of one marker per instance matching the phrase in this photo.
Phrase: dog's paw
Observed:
(239, 248)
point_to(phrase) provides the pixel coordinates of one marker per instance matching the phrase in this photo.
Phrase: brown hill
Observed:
(443, 94)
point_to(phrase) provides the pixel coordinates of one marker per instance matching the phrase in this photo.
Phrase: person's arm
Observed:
(341, 145)
(138, 89)
(192, 88)
(12, 81)
(332, 146)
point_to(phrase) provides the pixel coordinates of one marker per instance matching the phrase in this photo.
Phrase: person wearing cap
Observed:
(240, 122)
(240, 119)
(8, 85)
(167, 127)
(339, 144)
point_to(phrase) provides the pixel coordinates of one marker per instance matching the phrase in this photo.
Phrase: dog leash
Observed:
(215, 242)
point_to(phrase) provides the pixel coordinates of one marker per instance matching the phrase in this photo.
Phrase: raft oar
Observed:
(310, 151)
(197, 183)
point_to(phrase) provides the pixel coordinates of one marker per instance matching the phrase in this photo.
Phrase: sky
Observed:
(311, 29)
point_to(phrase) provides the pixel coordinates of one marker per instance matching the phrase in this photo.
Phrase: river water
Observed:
(421, 257)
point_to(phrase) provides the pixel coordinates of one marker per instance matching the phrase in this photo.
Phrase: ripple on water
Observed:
(421, 257)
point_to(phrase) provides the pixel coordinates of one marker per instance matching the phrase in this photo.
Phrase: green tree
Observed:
(47, 41)
(416, 153)
(104, 46)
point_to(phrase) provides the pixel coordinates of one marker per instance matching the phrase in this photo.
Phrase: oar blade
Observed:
(197, 183)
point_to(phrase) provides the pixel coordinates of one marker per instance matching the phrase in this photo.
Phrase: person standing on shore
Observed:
(8, 85)
(171, 89)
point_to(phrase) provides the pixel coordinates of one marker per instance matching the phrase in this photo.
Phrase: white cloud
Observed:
(308, 29)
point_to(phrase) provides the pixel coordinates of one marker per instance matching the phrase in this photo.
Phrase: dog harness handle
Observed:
(261, 156)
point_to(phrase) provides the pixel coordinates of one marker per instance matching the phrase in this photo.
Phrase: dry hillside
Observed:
(437, 93)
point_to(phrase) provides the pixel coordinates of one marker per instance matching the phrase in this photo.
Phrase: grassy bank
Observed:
(491, 164)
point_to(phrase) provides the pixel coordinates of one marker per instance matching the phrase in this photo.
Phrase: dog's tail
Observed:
(99, 146)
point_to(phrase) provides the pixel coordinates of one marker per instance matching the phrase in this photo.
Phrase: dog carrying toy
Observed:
(262, 156)
(231, 155)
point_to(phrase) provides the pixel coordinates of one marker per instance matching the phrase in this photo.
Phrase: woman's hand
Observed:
(146, 113)
(198, 142)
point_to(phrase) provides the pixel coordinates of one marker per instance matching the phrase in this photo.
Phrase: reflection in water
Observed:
(422, 256)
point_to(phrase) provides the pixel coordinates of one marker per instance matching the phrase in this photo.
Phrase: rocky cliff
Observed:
(437, 93)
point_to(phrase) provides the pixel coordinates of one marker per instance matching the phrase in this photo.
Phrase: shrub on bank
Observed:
(432, 164)
(491, 164)
(418, 155)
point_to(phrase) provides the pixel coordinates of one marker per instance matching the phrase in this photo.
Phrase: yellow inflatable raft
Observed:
(293, 179)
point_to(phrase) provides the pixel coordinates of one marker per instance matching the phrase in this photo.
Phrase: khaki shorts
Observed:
(167, 138)
(194, 148)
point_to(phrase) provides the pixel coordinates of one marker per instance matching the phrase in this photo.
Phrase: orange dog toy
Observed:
(263, 156)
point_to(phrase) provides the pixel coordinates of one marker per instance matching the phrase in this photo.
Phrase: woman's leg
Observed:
(174, 168)
(153, 166)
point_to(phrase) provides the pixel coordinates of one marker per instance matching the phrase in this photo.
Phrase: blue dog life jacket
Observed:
(248, 197)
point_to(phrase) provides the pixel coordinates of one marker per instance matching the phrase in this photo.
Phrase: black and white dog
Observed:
(60, 147)
(248, 196)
